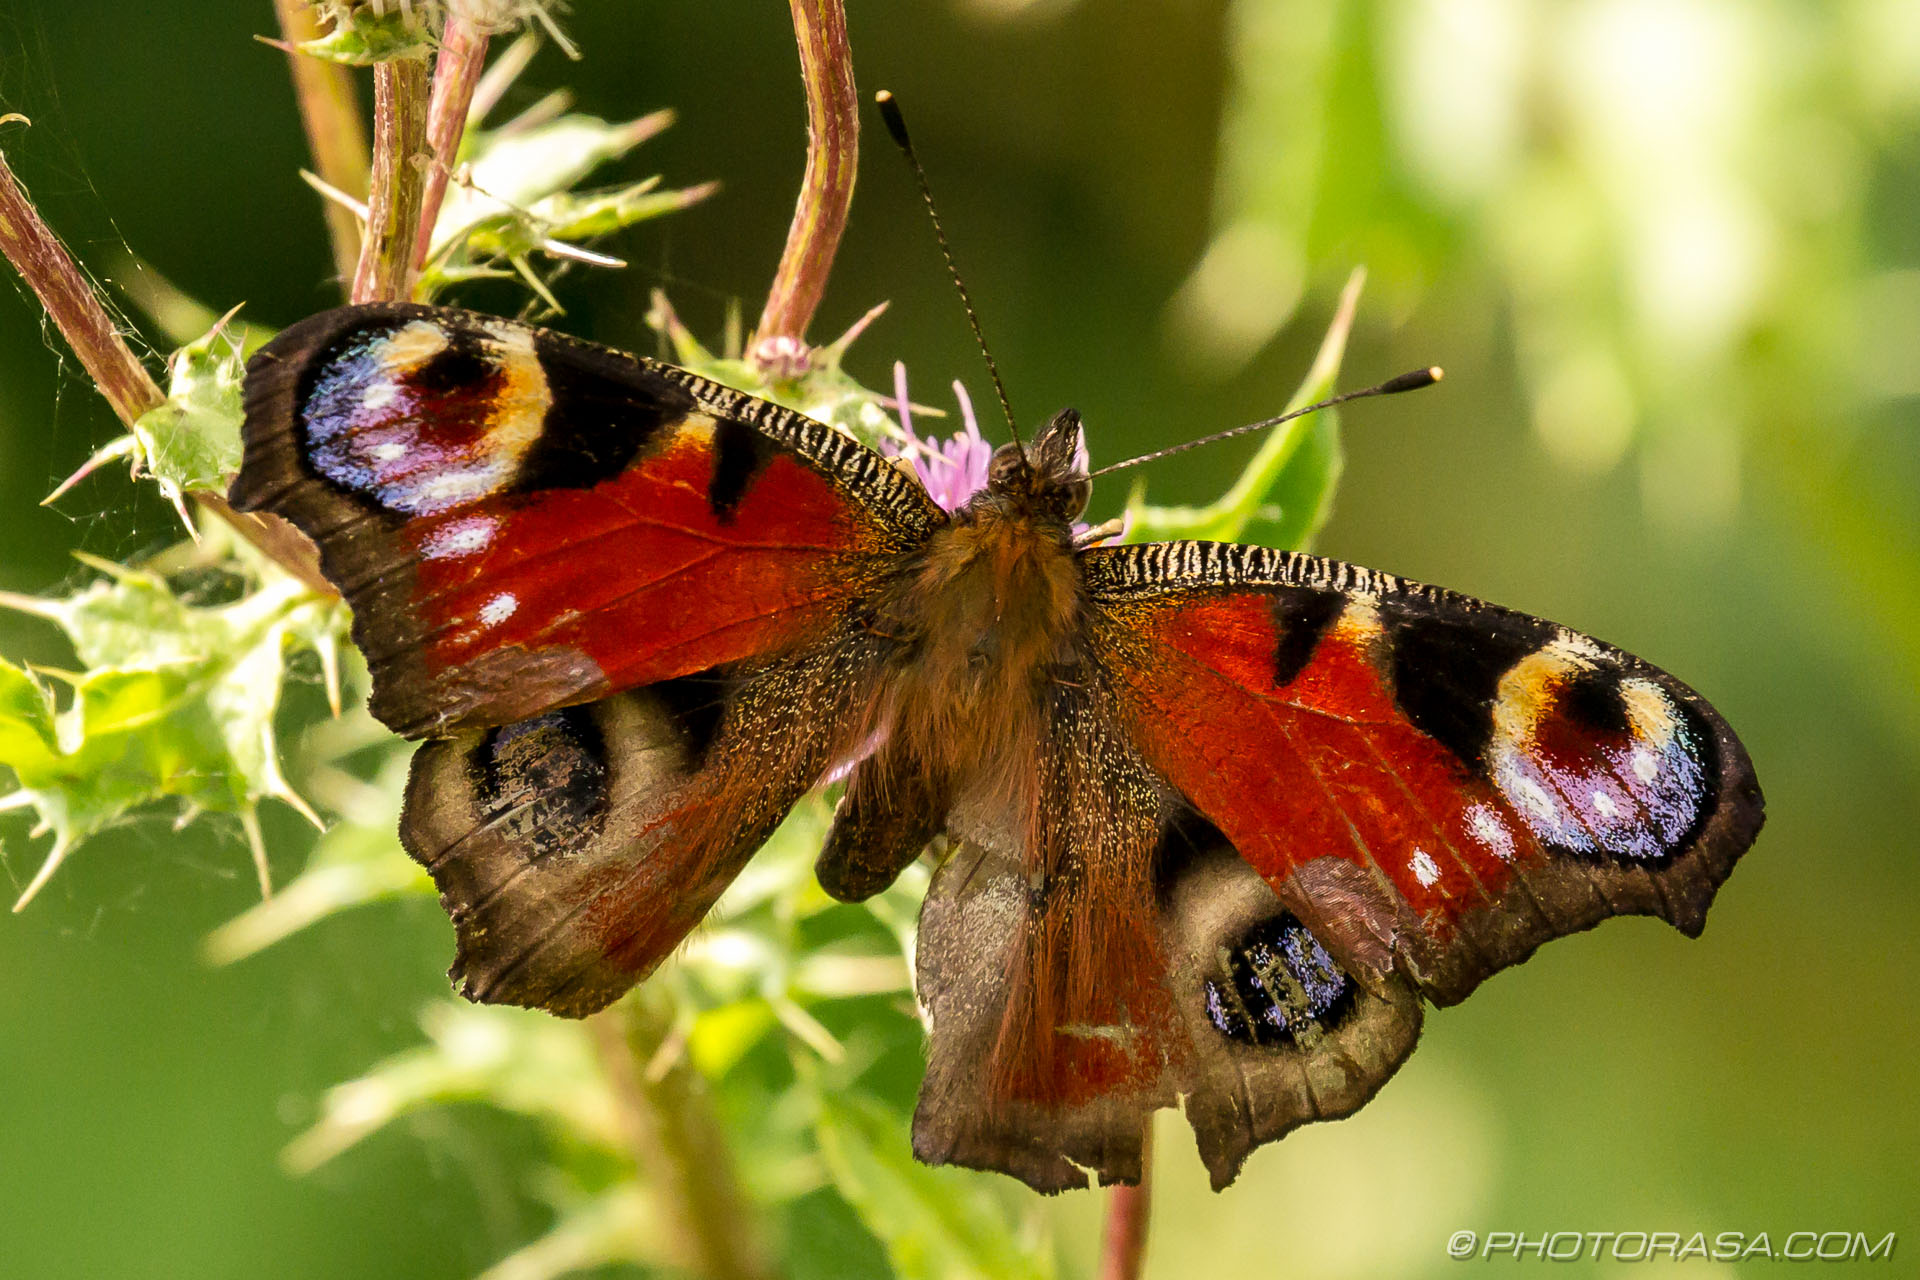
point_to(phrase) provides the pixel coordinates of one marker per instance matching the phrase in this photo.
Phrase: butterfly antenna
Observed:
(1413, 381)
(897, 127)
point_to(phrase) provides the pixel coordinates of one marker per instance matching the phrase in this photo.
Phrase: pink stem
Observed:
(456, 73)
(826, 191)
(1124, 1248)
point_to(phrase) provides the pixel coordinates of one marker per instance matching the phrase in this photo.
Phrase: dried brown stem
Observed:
(43, 262)
(400, 96)
(678, 1145)
(456, 73)
(1123, 1249)
(826, 192)
(336, 134)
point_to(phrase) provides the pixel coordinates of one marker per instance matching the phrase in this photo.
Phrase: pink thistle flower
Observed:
(953, 470)
(950, 470)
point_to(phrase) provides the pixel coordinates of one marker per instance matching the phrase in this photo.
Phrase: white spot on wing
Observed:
(1491, 832)
(389, 451)
(1604, 806)
(1425, 869)
(379, 395)
(498, 610)
(1534, 796)
(453, 487)
(1646, 766)
(460, 538)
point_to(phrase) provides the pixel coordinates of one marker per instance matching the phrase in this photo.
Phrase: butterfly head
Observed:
(1047, 477)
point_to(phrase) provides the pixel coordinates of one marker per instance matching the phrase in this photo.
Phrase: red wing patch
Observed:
(522, 521)
(1488, 779)
(636, 573)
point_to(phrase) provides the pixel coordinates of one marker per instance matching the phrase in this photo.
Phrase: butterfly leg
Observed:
(884, 821)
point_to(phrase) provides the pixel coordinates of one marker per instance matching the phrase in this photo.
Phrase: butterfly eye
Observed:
(1009, 468)
(546, 778)
(1073, 497)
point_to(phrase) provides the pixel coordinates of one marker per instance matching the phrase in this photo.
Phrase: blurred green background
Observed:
(1669, 253)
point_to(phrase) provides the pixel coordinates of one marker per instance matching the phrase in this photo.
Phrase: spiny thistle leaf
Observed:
(513, 166)
(513, 196)
(558, 224)
(128, 737)
(363, 35)
(192, 441)
(357, 861)
(177, 703)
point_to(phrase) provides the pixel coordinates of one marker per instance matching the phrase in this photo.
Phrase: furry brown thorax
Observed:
(988, 613)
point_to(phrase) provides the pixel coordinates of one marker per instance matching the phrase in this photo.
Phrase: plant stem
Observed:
(1124, 1247)
(826, 192)
(400, 93)
(76, 310)
(55, 279)
(456, 73)
(336, 134)
(678, 1144)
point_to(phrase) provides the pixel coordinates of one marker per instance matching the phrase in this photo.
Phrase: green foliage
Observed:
(516, 1060)
(190, 441)
(809, 381)
(1285, 494)
(513, 196)
(176, 703)
(935, 1222)
(362, 35)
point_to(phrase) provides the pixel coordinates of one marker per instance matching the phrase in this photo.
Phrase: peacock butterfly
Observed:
(1220, 818)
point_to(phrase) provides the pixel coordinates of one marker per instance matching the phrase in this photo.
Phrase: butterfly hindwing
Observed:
(1112, 956)
(521, 520)
(576, 849)
(1225, 1005)
(1282, 1033)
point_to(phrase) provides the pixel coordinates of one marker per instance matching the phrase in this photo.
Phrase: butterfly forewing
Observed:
(1406, 764)
(521, 520)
